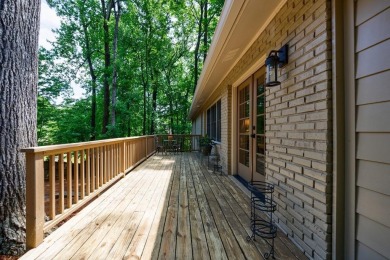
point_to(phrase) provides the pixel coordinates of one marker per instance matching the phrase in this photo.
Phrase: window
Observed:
(214, 122)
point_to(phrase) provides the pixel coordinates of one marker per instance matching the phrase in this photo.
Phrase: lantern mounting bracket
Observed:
(276, 59)
(281, 55)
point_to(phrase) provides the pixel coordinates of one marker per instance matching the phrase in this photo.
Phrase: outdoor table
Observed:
(169, 145)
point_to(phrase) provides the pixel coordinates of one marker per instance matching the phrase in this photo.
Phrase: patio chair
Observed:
(159, 146)
(214, 160)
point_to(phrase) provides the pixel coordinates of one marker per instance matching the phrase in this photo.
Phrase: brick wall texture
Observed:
(298, 122)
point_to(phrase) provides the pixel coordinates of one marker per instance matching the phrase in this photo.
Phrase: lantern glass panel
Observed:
(272, 71)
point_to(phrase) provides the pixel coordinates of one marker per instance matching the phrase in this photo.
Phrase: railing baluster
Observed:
(61, 203)
(52, 187)
(97, 170)
(105, 166)
(82, 175)
(112, 160)
(76, 177)
(88, 172)
(110, 171)
(101, 167)
(123, 158)
(108, 163)
(115, 159)
(93, 168)
(69, 180)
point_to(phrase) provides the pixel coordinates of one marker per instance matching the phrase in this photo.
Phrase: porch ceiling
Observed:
(240, 24)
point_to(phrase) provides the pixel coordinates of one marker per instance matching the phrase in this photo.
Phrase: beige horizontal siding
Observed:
(369, 33)
(374, 88)
(374, 235)
(366, 9)
(363, 252)
(373, 129)
(373, 117)
(374, 176)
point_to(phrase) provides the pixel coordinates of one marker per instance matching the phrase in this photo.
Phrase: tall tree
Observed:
(19, 21)
(76, 50)
(106, 9)
(88, 53)
(117, 15)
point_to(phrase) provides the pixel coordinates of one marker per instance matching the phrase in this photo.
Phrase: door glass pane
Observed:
(247, 93)
(244, 94)
(244, 126)
(260, 105)
(244, 109)
(260, 144)
(260, 164)
(244, 157)
(244, 142)
(260, 124)
(260, 87)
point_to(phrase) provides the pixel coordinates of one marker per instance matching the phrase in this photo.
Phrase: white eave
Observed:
(240, 24)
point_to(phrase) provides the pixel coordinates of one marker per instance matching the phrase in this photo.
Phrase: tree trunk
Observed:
(205, 30)
(144, 115)
(19, 21)
(197, 47)
(106, 11)
(128, 119)
(93, 79)
(154, 102)
(117, 13)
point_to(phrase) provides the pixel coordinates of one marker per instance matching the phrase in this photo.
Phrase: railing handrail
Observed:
(51, 149)
(178, 135)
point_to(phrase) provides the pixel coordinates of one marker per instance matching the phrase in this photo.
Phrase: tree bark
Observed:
(154, 102)
(106, 12)
(117, 14)
(93, 78)
(197, 47)
(205, 29)
(19, 23)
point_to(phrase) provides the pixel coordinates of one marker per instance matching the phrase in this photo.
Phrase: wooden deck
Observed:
(170, 207)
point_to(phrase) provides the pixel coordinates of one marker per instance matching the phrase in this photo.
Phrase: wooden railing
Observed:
(60, 179)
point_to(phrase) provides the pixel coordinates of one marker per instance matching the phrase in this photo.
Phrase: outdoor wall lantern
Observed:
(275, 59)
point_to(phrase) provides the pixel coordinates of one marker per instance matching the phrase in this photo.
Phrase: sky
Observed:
(50, 21)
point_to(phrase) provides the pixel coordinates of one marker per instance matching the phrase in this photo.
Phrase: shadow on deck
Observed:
(170, 207)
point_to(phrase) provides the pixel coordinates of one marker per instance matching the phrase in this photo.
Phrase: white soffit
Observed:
(240, 24)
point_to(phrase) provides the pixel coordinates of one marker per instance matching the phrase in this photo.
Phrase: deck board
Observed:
(170, 207)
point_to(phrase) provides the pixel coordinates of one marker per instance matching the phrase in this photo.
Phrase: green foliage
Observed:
(153, 63)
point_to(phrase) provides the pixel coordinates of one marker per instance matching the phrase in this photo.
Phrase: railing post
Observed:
(35, 212)
(123, 157)
(146, 146)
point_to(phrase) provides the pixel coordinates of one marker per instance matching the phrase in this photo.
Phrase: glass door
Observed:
(251, 128)
(258, 136)
(244, 131)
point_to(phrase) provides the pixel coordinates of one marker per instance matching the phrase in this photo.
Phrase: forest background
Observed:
(138, 62)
